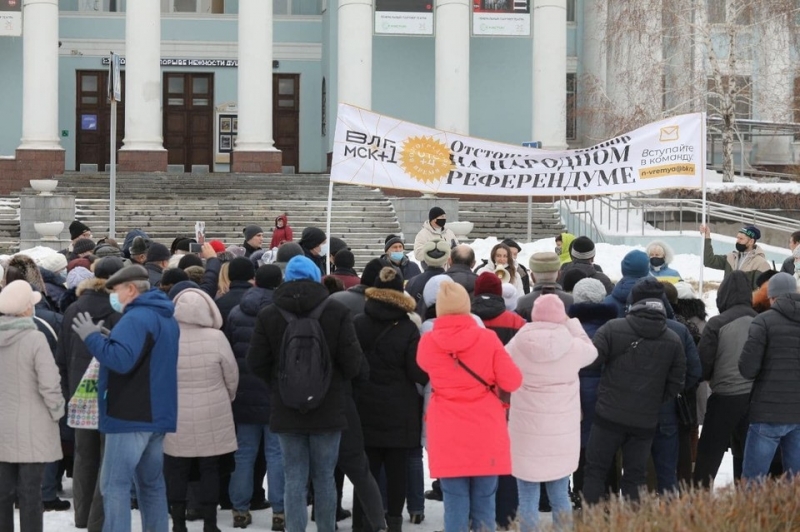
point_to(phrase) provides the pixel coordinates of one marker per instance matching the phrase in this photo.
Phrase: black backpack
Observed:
(304, 366)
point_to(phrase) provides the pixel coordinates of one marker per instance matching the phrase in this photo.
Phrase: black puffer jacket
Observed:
(771, 356)
(388, 402)
(251, 406)
(644, 365)
(301, 297)
(462, 275)
(592, 271)
(233, 297)
(242, 319)
(352, 298)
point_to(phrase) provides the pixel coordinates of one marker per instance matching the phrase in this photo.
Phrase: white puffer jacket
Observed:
(207, 381)
(30, 394)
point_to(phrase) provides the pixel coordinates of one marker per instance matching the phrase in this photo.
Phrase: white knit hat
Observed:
(588, 291)
(54, 263)
(431, 289)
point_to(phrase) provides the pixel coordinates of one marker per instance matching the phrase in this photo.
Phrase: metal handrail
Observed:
(596, 235)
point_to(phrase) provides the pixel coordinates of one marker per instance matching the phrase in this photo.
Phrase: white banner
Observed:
(380, 151)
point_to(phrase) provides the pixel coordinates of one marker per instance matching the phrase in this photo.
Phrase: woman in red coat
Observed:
(282, 232)
(468, 444)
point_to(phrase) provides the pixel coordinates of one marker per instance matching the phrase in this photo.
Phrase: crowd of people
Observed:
(172, 380)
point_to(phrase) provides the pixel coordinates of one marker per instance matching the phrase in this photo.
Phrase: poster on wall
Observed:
(404, 17)
(226, 130)
(10, 18)
(501, 17)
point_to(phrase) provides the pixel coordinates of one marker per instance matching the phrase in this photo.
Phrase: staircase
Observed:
(509, 219)
(9, 224)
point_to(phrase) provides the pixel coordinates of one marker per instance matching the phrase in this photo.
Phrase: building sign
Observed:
(89, 122)
(225, 63)
(501, 17)
(379, 151)
(404, 17)
(10, 18)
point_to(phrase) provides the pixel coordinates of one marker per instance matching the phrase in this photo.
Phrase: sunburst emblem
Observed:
(425, 159)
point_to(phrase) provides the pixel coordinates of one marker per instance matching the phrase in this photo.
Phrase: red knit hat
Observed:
(488, 283)
(218, 246)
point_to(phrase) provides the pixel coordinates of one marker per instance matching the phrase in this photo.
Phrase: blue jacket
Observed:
(619, 295)
(138, 384)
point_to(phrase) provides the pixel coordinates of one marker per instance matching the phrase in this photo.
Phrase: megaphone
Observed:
(502, 273)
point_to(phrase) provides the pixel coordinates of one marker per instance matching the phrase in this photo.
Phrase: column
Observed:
(452, 65)
(255, 148)
(143, 145)
(550, 73)
(40, 75)
(355, 52)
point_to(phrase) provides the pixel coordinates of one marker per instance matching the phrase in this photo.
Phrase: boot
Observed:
(178, 513)
(394, 523)
(210, 518)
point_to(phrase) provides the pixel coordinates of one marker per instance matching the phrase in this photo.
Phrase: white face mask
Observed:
(323, 249)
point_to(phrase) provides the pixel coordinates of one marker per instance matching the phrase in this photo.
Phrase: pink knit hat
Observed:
(548, 308)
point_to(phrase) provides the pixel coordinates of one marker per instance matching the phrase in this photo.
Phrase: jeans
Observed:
(24, 481)
(666, 446)
(241, 484)
(763, 439)
(726, 417)
(558, 493)
(468, 498)
(600, 455)
(137, 457)
(314, 454)
(50, 481)
(85, 479)
(415, 482)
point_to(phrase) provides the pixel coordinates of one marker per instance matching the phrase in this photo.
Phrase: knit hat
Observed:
(636, 264)
(510, 296)
(544, 262)
(173, 276)
(77, 276)
(588, 291)
(128, 274)
(751, 231)
(302, 269)
(371, 271)
(157, 252)
(287, 251)
(647, 288)
(139, 246)
(434, 213)
(488, 283)
(435, 253)
(250, 231)
(452, 299)
(76, 229)
(336, 245)
(107, 250)
(17, 297)
(107, 266)
(781, 283)
(190, 260)
(241, 269)
(390, 241)
(389, 278)
(549, 308)
(431, 289)
(571, 279)
(181, 243)
(685, 290)
(312, 237)
(582, 248)
(53, 263)
(344, 259)
(268, 276)
(78, 263)
(217, 245)
(82, 245)
(512, 244)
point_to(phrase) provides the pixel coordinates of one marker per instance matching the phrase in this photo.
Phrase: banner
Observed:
(501, 17)
(379, 151)
(404, 17)
(10, 18)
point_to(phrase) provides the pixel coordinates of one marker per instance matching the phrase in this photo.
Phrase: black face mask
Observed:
(741, 248)
(657, 261)
(440, 223)
(558, 250)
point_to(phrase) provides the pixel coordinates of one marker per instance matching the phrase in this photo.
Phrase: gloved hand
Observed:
(83, 325)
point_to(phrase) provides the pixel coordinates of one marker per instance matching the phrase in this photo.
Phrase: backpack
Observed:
(304, 364)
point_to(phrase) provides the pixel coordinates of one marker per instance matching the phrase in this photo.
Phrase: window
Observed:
(572, 106)
(297, 7)
(193, 6)
(100, 5)
(719, 12)
(571, 10)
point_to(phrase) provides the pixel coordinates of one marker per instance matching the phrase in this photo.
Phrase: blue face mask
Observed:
(113, 298)
(397, 256)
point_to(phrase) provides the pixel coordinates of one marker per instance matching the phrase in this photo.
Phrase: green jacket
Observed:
(753, 262)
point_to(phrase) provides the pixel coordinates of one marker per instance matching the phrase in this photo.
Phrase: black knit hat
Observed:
(268, 276)
(647, 288)
(190, 259)
(336, 245)
(288, 250)
(241, 269)
(434, 213)
(157, 252)
(76, 229)
(571, 278)
(173, 276)
(391, 240)
(344, 259)
(312, 237)
(82, 245)
(582, 248)
(389, 278)
(250, 231)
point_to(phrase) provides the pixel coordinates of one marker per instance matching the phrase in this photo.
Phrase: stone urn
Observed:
(48, 230)
(461, 229)
(44, 187)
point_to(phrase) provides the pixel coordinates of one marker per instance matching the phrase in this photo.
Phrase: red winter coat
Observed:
(281, 234)
(467, 432)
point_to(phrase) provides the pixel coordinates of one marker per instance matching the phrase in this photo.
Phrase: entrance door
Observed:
(286, 117)
(189, 119)
(93, 124)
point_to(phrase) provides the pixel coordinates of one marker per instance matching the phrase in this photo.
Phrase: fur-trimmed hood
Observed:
(691, 308)
(669, 255)
(95, 284)
(400, 300)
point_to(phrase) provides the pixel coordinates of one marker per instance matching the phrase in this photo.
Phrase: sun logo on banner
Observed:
(425, 159)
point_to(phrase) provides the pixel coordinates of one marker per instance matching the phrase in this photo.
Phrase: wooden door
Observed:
(93, 119)
(286, 117)
(189, 119)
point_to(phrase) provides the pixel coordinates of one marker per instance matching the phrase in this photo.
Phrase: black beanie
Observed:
(241, 269)
(173, 276)
(288, 250)
(435, 213)
(190, 259)
(82, 246)
(371, 271)
(250, 231)
(344, 259)
(336, 245)
(312, 237)
(571, 278)
(157, 252)
(582, 248)
(76, 229)
(268, 276)
(647, 288)
(391, 240)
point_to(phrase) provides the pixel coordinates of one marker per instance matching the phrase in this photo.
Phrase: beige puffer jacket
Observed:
(207, 381)
(30, 394)
(428, 233)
